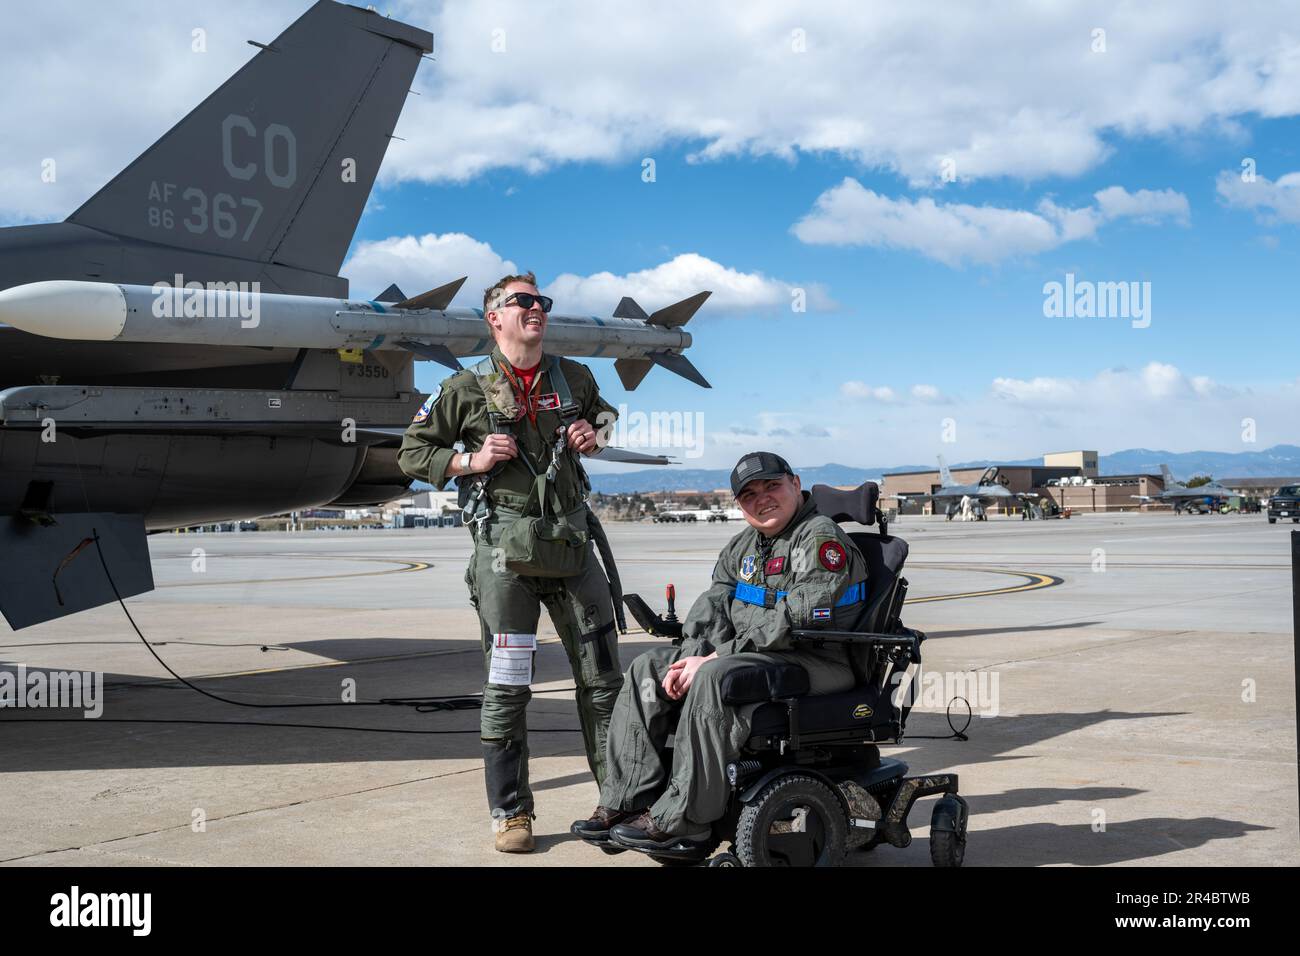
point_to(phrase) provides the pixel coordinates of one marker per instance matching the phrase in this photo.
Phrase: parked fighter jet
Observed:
(1205, 497)
(988, 488)
(116, 419)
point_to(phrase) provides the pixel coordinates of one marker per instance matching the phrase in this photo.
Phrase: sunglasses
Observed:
(526, 300)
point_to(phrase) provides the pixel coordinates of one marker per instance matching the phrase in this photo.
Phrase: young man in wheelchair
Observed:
(792, 569)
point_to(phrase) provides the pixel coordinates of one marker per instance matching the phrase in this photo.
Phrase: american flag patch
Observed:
(821, 614)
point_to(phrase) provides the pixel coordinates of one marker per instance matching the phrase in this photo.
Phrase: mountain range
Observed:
(1279, 460)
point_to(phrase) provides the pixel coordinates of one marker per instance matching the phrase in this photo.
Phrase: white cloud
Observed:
(926, 393)
(1120, 388)
(1145, 205)
(861, 390)
(419, 263)
(1001, 91)
(1156, 405)
(1272, 202)
(681, 277)
(955, 233)
(887, 85)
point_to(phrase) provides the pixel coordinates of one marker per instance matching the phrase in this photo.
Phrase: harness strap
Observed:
(767, 597)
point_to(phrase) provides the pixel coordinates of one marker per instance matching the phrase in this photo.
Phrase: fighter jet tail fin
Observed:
(1168, 477)
(945, 476)
(277, 164)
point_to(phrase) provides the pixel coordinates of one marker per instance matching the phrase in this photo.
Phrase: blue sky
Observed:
(1221, 287)
(805, 148)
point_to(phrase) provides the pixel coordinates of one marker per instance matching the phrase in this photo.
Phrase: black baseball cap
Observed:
(757, 464)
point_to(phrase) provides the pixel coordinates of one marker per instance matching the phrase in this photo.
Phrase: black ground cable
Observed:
(956, 734)
(421, 705)
(425, 705)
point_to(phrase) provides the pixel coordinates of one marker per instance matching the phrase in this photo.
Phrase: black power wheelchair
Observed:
(810, 783)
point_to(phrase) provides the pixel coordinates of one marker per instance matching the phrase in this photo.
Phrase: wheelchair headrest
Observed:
(859, 504)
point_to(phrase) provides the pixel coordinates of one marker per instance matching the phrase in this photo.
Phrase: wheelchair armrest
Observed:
(856, 637)
(648, 619)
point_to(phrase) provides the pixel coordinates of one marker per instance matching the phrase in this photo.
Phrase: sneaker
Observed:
(515, 834)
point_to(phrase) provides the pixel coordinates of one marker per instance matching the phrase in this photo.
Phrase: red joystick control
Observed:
(671, 593)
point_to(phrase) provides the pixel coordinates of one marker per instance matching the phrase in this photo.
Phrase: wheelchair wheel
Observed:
(947, 848)
(795, 820)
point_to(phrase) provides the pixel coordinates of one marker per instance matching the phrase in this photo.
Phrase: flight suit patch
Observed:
(423, 414)
(546, 402)
(831, 555)
(747, 566)
(774, 566)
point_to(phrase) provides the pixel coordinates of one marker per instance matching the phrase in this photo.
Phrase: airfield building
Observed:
(1069, 479)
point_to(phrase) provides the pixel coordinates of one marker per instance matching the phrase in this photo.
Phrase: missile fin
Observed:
(628, 309)
(437, 299)
(631, 371)
(680, 365)
(434, 352)
(391, 295)
(679, 313)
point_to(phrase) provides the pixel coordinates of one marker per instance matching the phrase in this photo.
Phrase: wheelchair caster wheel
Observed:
(948, 833)
(723, 859)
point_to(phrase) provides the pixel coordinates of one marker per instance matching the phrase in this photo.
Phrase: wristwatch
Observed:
(464, 463)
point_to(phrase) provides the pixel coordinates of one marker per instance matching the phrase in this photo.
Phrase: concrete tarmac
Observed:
(1135, 673)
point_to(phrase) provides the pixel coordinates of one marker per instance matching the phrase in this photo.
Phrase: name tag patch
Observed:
(551, 401)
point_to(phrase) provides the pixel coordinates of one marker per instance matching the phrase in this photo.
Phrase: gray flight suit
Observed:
(509, 604)
(821, 574)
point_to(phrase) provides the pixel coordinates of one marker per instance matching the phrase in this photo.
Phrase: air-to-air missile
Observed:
(426, 325)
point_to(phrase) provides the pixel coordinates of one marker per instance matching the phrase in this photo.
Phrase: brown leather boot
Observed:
(596, 826)
(515, 834)
(643, 833)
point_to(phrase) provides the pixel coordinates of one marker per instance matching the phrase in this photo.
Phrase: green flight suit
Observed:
(685, 786)
(509, 604)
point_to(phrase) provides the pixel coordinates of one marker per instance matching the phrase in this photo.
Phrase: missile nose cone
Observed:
(62, 309)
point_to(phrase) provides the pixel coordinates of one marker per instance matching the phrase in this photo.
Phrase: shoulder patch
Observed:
(423, 414)
(832, 556)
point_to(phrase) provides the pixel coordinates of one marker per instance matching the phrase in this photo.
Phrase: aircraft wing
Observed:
(1205, 491)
